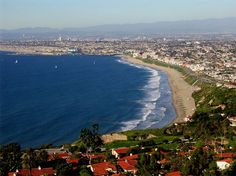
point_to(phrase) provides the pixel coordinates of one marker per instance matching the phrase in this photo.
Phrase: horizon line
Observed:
(110, 24)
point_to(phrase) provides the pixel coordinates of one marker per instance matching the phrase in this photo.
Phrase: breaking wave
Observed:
(150, 114)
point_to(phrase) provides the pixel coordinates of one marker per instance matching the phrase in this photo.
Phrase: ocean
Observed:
(49, 99)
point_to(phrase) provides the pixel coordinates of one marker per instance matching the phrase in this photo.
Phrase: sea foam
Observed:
(149, 114)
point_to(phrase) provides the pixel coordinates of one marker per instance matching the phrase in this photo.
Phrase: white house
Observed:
(119, 152)
(224, 164)
(232, 120)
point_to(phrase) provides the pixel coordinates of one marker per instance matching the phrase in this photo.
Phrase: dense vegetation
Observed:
(212, 99)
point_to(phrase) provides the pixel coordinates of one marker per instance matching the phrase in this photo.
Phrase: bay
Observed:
(49, 99)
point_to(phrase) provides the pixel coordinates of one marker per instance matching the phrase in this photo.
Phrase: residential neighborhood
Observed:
(210, 56)
(163, 155)
(123, 162)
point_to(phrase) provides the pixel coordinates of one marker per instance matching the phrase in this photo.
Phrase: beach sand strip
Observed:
(181, 91)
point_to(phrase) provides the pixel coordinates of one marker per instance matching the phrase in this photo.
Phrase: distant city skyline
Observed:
(76, 13)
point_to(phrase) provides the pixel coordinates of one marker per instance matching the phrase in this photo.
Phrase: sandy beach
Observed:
(181, 91)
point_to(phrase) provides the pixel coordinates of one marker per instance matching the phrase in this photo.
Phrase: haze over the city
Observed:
(73, 13)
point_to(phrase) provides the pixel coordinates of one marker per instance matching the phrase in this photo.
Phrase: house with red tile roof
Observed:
(130, 157)
(163, 161)
(103, 169)
(72, 161)
(34, 172)
(224, 164)
(64, 155)
(183, 153)
(119, 152)
(226, 155)
(175, 173)
(128, 166)
(164, 152)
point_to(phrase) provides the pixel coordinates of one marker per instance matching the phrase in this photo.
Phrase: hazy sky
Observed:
(81, 13)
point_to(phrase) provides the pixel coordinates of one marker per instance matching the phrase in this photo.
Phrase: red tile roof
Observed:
(118, 175)
(164, 152)
(34, 172)
(75, 161)
(206, 148)
(164, 161)
(227, 160)
(176, 173)
(131, 157)
(64, 155)
(122, 150)
(183, 153)
(226, 155)
(128, 165)
(192, 147)
(102, 168)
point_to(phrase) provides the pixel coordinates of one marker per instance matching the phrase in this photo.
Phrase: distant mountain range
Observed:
(225, 25)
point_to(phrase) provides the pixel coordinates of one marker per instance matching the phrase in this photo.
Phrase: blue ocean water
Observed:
(49, 99)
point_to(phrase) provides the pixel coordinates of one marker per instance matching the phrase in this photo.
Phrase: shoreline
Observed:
(182, 99)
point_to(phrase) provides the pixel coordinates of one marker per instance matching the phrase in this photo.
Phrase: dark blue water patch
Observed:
(49, 99)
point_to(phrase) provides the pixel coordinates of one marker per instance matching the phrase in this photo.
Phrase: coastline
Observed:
(31, 50)
(181, 91)
(183, 101)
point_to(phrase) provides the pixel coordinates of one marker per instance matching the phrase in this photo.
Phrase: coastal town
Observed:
(213, 58)
(201, 141)
(118, 88)
(160, 152)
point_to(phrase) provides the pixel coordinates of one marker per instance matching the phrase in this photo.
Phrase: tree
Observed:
(4, 168)
(29, 159)
(142, 165)
(198, 162)
(148, 165)
(212, 170)
(206, 125)
(10, 158)
(41, 157)
(73, 149)
(91, 137)
(85, 172)
(64, 169)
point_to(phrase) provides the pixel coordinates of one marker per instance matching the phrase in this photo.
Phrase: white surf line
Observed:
(149, 102)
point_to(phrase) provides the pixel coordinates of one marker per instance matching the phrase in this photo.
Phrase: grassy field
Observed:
(155, 132)
(117, 144)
